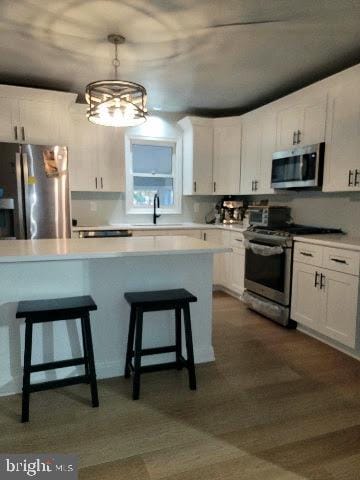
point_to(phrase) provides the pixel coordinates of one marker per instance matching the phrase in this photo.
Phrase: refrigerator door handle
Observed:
(27, 205)
(20, 197)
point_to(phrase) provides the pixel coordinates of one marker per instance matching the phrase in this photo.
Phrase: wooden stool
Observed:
(141, 302)
(42, 311)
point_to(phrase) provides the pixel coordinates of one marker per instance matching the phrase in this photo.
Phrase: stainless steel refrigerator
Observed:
(36, 177)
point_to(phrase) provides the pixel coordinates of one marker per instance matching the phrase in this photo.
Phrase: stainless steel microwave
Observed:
(300, 167)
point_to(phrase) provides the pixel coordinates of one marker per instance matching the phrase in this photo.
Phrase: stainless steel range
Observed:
(268, 268)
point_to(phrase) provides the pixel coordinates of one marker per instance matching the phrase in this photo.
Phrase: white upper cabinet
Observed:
(33, 115)
(258, 145)
(250, 153)
(197, 155)
(9, 117)
(342, 145)
(301, 118)
(227, 155)
(96, 155)
(110, 152)
(82, 154)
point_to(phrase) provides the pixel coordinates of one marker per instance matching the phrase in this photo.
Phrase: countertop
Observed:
(346, 242)
(162, 226)
(77, 249)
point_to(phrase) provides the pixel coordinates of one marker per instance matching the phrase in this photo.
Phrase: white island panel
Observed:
(105, 275)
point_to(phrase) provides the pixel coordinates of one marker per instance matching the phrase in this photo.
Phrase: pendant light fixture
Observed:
(116, 103)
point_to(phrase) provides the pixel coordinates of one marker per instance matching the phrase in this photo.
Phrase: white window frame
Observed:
(176, 173)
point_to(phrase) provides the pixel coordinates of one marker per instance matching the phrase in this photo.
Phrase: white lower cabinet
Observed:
(237, 270)
(326, 300)
(340, 307)
(305, 297)
(217, 237)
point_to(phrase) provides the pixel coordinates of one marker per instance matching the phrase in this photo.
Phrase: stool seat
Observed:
(141, 302)
(58, 306)
(43, 311)
(158, 298)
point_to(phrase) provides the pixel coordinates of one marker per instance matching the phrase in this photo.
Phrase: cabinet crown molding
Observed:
(26, 93)
(189, 121)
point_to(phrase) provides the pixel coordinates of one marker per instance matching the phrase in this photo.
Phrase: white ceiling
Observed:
(187, 53)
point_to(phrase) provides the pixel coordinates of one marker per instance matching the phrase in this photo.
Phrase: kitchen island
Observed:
(104, 268)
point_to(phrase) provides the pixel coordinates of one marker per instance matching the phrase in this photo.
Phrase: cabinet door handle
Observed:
(214, 187)
(23, 133)
(294, 138)
(96, 183)
(350, 183)
(205, 236)
(298, 138)
(338, 260)
(15, 133)
(256, 184)
(356, 181)
(306, 254)
(195, 187)
(322, 284)
(316, 282)
(101, 181)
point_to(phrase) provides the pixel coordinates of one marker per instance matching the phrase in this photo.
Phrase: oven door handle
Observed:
(264, 250)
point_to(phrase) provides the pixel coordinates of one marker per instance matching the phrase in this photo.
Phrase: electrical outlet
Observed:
(93, 207)
(196, 207)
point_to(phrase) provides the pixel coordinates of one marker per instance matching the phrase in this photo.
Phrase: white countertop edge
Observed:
(100, 255)
(345, 242)
(184, 226)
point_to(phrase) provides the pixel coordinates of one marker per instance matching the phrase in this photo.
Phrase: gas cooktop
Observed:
(292, 229)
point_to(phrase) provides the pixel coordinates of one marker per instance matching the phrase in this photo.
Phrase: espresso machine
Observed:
(7, 219)
(231, 211)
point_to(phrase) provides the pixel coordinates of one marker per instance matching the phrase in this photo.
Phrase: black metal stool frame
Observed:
(87, 360)
(135, 333)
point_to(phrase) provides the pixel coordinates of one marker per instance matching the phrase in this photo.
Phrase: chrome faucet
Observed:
(156, 204)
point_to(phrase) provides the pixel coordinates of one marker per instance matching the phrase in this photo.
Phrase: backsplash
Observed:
(338, 210)
(110, 209)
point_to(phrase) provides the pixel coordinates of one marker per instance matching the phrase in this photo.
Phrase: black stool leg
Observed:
(27, 366)
(189, 347)
(178, 342)
(83, 332)
(130, 343)
(90, 361)
(137, 357)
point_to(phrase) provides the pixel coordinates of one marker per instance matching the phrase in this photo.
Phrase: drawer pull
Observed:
(306, 254)
(238, 239)
(338, 260)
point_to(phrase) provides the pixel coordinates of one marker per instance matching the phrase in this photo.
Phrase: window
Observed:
(152, 166)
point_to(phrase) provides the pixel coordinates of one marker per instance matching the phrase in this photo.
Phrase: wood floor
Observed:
(276, 404)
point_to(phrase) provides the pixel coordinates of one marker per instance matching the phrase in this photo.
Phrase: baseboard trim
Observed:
(328, 341)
